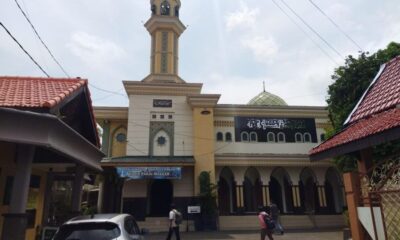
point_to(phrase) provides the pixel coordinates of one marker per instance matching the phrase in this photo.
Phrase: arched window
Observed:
(322, 137)
(281, 137)
(298, 137)
(253, 137)
(220, 137)
(177, 11)
(307, 137)
(271, 137)
(153, 9)
(228, 137)
(165, 8)
(244, 136)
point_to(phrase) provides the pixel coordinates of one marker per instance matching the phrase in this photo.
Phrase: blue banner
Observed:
(150, 172)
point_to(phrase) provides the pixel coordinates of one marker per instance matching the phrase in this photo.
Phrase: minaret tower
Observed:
(165, 29)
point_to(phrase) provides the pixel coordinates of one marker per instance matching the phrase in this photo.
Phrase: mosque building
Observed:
(257, 153)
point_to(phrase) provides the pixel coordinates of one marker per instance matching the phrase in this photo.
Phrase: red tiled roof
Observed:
(375, 124)
(31, 92)
(383, 95)
(375, 113)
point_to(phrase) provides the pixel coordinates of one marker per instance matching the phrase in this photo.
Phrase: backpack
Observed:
(269, 222)
(178, 217)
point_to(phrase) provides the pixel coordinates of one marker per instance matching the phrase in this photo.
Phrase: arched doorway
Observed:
(280, 177)
(161, 193)
(252, 190)
(308, 191)
(275, 193)
(334, 191)
(226, 192)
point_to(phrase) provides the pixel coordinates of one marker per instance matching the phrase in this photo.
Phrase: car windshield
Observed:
(88, 231)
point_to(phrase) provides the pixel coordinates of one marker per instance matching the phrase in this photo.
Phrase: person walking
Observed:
(274, 212)
(262, 215)
(173, 227)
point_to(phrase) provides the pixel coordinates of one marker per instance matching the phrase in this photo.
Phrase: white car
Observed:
(101, 227)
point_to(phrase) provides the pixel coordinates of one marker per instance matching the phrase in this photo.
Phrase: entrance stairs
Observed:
(250, 222)
(160, 224)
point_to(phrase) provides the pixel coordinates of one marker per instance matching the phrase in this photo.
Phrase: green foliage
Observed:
(208, 195)
(350, 82)
(89, 210)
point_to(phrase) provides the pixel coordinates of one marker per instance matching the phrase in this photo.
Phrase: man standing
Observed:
(264, 228)
(173, 227)
(274, 212)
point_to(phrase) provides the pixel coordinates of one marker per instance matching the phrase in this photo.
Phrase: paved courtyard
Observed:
(328, 235)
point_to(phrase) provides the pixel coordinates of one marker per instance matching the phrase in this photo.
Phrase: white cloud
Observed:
(263, 48)
(94, 50)
(243, 17)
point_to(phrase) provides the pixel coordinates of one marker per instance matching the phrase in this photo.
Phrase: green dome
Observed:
(266, 98)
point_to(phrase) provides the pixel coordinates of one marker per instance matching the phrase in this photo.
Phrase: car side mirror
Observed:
(144, 231)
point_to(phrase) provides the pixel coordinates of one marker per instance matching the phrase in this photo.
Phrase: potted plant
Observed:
(208, 203)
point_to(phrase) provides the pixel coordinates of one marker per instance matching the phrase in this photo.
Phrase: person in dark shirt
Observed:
(274, 212)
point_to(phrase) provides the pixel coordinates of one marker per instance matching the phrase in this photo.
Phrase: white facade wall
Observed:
(140, 111)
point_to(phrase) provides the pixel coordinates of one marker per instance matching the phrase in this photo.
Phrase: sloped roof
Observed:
(31, 92)
(374, 120)
(383, 94)
(376, 124)
(46, 93)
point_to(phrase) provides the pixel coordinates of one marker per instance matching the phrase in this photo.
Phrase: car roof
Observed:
(112, 217)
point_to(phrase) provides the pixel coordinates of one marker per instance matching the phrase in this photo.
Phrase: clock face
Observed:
(161, 140)
(121, 137)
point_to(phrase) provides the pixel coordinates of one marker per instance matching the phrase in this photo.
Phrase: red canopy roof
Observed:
(376, 114)
(383, 94)
(33, 92)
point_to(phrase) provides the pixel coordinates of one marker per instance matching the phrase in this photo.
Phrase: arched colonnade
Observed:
(294, 190)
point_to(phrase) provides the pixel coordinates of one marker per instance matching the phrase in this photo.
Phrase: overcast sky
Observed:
(231, 46)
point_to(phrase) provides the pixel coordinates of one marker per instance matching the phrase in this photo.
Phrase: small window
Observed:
(307, 137)
(220, 137)
(298, 137)
(162, 116)
(121, 137)
(244, 136)
(271, 137)
(153, 116)
(253, 137)
(322, 137)
(169, 116)
(228, 137)
(281, 137)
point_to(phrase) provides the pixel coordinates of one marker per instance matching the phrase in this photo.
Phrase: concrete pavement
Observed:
(314, 235)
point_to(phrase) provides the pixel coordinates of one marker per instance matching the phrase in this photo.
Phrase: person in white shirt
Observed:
(173, 227)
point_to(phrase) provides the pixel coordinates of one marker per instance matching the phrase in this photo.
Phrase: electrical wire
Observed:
(23, 49)
(108, 91)
(41, 40)
(312, 29)
(304, 31)
(336, 25)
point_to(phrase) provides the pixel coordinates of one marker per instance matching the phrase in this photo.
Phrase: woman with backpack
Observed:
(266, 224)
(175, 218)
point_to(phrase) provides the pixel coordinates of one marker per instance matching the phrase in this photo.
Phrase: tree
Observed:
(208, 195)
(350, 82)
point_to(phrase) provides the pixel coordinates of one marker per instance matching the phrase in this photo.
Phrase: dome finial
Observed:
(264, 86)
